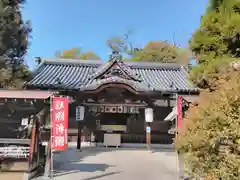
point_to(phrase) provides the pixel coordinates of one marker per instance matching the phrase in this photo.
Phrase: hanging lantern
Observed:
(80, 111)
(149, 115)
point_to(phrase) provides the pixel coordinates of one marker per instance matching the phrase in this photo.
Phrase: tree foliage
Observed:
(210, 136)
(14, 36)
(217, 39)
(153, 51)
(76, 53)
(162, 51)
(123, 44)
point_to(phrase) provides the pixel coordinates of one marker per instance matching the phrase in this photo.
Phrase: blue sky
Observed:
(62, 24)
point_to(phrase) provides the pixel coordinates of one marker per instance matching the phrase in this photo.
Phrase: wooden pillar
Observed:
(48, 159)
(32, 143)
(79, 135)
(148, 136)
(37, 141)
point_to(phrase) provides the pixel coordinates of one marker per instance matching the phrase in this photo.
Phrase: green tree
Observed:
(161, 51)
(14, 35)
(216, 41)
(123, 44)
(76, 53)
(153, 51)
(210, 136)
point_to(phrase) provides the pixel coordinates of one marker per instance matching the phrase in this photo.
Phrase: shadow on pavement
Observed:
(103, 175)
(70, 161)
(80, 167)
(166, 151)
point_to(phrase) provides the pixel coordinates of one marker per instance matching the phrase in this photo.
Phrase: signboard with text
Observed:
(14, 152)
(148, 129)
(59, 114)
(179, 111)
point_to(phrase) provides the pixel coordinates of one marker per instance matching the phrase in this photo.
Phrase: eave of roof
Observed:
(25, 94)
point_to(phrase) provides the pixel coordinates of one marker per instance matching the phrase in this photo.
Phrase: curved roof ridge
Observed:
(143, 64)
(72, 61)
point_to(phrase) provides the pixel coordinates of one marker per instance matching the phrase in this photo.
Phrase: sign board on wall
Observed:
(148, 129)
(121, 108)
(113, 128)
(14, 151)
(59, 113)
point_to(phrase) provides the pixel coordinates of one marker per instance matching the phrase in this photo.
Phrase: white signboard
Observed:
(80, 110)
(24, 121)
(148, 129)
(14, 151)
(149, 115)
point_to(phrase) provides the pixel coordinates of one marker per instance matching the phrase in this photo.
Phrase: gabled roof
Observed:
(116, 61)
(82, 75)
(108, 65)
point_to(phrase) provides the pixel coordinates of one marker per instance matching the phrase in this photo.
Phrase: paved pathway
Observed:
(115, 164)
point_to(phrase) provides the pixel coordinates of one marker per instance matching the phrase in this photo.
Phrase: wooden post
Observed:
(148, 136)
(80, 111)
(32, 143)
(48, 165)
(79, 135)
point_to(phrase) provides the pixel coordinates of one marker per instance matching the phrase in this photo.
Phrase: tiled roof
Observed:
(78, 75)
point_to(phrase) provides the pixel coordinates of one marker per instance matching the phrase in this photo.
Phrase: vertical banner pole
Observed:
(176, 136)
(52, 138)
(176, 119)
(179, 101)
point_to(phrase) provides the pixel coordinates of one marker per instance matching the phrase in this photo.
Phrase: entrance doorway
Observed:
(113, 119)
(112, 124)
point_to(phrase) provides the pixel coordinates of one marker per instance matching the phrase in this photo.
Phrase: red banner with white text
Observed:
(59, 114)
(179, 111)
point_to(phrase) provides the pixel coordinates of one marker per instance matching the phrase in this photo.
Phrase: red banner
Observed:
(59, 113)
(179, 111)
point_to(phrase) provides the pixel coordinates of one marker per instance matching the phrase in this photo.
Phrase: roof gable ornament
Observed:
(115, 56)
(115, 67)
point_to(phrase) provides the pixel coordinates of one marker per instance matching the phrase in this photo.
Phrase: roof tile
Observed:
(77, 74)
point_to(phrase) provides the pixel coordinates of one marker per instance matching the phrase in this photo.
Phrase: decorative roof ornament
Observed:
(115, 56)
(38, 60)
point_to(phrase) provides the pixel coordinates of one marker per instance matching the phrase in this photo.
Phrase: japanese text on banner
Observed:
(59, 123)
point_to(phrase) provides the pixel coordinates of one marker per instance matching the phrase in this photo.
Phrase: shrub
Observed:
(210, 135)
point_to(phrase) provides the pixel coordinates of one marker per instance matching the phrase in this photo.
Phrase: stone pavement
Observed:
(115, 164)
